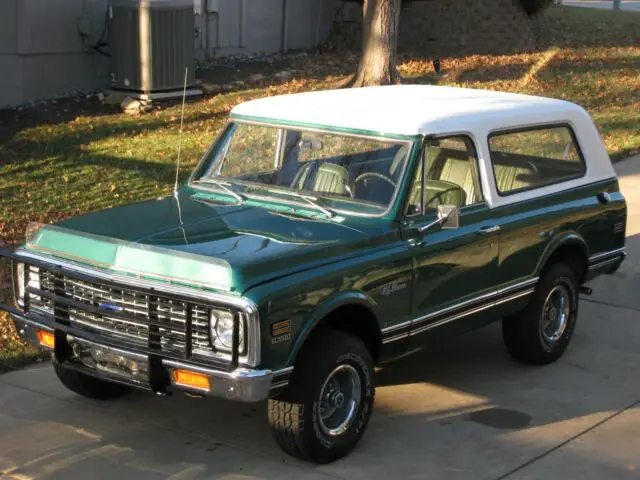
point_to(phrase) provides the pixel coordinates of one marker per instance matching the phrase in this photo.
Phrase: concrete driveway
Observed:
(626, 5)
(466, 411)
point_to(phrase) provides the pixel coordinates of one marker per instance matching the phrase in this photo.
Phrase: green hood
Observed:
(212, 245)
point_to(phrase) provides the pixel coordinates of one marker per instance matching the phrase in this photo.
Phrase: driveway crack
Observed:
(566, 442)
(600, 302)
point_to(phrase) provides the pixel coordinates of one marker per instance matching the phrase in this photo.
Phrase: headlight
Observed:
(18, 283)
(222, 330)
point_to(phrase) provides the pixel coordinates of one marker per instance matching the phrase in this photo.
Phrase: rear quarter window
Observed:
(527, 159)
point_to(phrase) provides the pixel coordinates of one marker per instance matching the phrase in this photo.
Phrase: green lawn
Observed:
(78, 156)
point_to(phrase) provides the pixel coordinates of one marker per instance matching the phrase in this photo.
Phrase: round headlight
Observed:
(222, 329)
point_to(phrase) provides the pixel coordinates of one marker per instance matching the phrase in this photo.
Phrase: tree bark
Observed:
(378, 64)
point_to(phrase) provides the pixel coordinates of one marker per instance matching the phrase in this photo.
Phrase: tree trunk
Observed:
(378, 64)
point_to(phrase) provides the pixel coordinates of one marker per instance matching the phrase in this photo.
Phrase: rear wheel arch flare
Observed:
(572, 251)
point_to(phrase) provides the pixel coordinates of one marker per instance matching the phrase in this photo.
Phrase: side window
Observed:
(534, 158)
(451, 175)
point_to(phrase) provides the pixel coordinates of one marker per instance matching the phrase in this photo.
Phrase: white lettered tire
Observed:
(325, 409)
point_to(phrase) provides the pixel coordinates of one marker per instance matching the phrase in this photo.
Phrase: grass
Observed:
(77, 156)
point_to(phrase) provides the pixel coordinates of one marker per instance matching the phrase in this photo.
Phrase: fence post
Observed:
(616, 4)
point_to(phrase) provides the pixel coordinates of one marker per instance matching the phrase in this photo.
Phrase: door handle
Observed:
(488, 230)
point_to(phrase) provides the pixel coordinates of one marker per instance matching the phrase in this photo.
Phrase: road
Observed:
(627, 5)
(464, 412)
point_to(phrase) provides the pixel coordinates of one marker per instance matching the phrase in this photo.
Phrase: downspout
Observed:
(285, 26)
(243, 21)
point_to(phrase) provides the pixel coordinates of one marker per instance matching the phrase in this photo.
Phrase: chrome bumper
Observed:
(241, 384)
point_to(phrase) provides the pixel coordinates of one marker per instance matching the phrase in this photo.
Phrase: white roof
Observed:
(408, 109)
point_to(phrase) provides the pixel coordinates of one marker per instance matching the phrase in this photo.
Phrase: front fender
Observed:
(329, 305)
(570, 238)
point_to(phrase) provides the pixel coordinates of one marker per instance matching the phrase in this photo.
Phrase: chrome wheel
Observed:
(339, 400)
(556, 313)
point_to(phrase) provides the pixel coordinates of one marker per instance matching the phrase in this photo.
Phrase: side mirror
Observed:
(448, 218)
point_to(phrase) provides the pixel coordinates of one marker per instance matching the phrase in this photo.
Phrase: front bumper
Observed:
(241, 384)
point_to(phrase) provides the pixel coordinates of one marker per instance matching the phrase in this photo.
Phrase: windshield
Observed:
(336, 172)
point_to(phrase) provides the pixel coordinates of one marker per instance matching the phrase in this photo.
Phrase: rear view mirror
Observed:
(449, 217)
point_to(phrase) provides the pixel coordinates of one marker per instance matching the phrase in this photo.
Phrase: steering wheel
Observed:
(379, 176)
(440, 197)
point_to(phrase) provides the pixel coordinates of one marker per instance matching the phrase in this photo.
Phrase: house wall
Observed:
(42, 54)
(236, 27)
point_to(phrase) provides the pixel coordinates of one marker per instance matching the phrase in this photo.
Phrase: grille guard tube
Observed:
(59, 320)
(241, 384)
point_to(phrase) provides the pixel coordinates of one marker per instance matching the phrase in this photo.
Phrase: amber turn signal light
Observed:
(187, 378)
(46, 339)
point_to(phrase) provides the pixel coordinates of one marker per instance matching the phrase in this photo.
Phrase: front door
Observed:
(454, 271)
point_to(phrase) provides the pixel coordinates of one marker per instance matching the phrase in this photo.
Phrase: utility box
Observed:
(151, 44)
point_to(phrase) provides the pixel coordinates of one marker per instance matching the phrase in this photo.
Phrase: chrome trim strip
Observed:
(501, 291)
(594, 258)
(525, 283)
(397, 337)
(283, 383)
(470, 312)
(282, 371)
(604, 263)
(32, 323)
(252, 358)
(398, 326)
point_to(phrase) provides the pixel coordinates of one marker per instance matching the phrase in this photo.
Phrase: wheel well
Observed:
(358, 321)
(571, 255)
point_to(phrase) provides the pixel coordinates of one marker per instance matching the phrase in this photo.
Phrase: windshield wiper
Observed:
(224, 186)
(307, 198)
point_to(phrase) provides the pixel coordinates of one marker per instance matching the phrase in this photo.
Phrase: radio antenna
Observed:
(184, 98)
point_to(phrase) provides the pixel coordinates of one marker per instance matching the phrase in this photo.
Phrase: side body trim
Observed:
(460, 310)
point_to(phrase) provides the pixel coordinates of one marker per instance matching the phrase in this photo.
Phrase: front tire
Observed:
(542, 331)
(87, 386)
(325, 409)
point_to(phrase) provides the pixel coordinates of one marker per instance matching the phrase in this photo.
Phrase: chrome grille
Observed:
(141, 313)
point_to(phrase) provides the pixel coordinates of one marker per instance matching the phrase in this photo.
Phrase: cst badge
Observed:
(281, 332)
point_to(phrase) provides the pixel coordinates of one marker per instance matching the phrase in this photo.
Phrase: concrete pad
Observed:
(611, 450)
(69, 440)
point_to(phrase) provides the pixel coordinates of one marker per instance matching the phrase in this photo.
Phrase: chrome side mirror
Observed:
(449, 215)
(448, 218)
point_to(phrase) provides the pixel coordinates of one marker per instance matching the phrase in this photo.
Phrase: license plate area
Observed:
(112, 362)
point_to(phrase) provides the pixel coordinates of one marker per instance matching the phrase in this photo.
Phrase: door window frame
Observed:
(421, 163)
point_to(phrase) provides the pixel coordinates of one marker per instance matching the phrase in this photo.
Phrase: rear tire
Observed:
(325, 409)
(87, 386)
(542, 331)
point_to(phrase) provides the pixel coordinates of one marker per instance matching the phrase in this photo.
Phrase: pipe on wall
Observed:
(285, 26)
